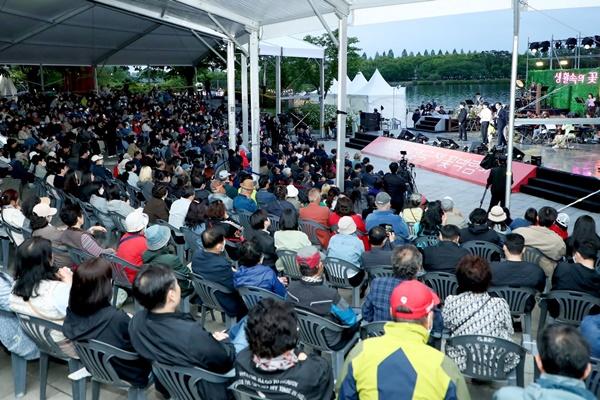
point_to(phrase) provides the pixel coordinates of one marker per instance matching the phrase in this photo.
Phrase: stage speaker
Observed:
(518, 155)
(475, 146)
(536, 160)
(448, 143)
(405, 134)
(386, 133)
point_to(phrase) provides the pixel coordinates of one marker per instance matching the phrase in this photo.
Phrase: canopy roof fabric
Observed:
(357, 84)
(79, 32)
(7, 87)
(377, 86)
(290, 47)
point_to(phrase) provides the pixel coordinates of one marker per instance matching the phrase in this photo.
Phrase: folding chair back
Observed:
(443, 283)
(290, 267)
(486, 250)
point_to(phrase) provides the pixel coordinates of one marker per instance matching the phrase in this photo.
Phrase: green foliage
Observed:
(312, 113)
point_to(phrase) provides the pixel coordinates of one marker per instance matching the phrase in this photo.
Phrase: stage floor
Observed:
(582, 159)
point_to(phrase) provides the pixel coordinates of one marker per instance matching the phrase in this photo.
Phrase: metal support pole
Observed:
(341, 100)
(322, 97)
(254, 101)
(551, 61)
(42, 82)
(231, 93)
(513, 95)
(244, 77)
(278, 85)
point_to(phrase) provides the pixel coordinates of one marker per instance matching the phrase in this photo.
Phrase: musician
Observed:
(477, 100)
(590, 103)
(501, 122)
(462, 121)
(485, 117)
(377, 118)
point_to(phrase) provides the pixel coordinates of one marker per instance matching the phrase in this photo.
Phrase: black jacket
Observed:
(266, 244)
(377, 256)
(480, 232)
(443, 257)
(497, 180)
(520, 274)
(576, 277)
(178, 339)
(395, 186)
(216, 268)
(462, 115)
(110, 326)
(311, 379)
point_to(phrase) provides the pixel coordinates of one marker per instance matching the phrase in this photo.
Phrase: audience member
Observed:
(345, 208)
(381, 250)
(384, 215)
(288, 237)
(211, 264)
(90, 316)
(243, 201)
(159, 253)
(263, 195)
(115, 203)
(497, 220)
(432, 220)
(564, 361)
(251, 272)
(561, 226)
(513, 271)
(545, 240)
(280, 204)
(446, 254)
(132, 245)
(40, 219)
(530, 218)
(426, 372)
(11, 212)
(479, 229)
(156, 208)
(453, 215)
(315, 212)
(271, 366)
(218, 193)
(345, 245)
(472, 311)
(160, 333)
(292, 196)
(584, 230)
(580, 275)
(414, 213)
(75, 237)
(590, 329)
(260, 224)
(180, 207)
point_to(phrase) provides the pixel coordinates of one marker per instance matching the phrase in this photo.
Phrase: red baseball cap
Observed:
(416, 298)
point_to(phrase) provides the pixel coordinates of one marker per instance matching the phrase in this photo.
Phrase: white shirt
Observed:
(485, 114)
(14, 217)
(178, 212)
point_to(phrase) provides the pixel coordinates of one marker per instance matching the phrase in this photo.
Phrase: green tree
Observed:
(426, 53)
(390, 53)
(411, 54)
(404, 53)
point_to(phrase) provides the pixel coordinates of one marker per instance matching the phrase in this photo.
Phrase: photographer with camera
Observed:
(395, 185)
(497, 182)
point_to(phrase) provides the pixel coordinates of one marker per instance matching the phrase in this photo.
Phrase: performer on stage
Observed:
(501, 122)
(485, 116)
(591, 104)
(462, 122)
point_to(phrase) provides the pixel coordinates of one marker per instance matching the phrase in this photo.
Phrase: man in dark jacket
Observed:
(395, 186)
(259, 234)
(462, 122)
(444, 256)
(212, 265)
(478, 229)
(497, 183)
(311, 293)
(160, 333)
(581, 275)
(381, 249)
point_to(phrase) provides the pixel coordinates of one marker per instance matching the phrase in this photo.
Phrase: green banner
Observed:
(567, 85)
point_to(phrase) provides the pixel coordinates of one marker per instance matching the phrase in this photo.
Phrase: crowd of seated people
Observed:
(168, 179)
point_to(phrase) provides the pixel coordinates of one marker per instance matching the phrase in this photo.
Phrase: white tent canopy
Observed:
(290, 47)
(357, 83)
(390, 101)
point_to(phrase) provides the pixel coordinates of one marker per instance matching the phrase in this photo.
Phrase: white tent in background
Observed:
(7, 87)
(334, 87)
(379, 93)
(357, 84)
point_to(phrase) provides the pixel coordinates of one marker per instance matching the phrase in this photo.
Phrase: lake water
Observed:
(451, 94)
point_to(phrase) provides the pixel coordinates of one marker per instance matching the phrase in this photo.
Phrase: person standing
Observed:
(496, 182)
(485, 116)
(501, 122)
(395, 186)
(462, 122)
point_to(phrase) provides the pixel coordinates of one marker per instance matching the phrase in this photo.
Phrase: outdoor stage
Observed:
(454, 163)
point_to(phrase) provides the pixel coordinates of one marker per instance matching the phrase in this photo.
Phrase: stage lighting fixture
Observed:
(466, 149)
(421, 138)
(571, 43)
(533, 47)
(564, 62)
(544, 46)
(557, 44)
(539, 63)
(448, 143)
(587, 42)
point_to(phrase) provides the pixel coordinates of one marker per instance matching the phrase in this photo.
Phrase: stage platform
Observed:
(582, 159)
(453, 163)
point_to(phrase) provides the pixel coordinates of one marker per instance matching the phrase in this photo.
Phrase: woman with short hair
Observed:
(90, 316)
(272, 333)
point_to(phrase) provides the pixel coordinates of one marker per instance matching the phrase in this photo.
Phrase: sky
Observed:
(477, 32)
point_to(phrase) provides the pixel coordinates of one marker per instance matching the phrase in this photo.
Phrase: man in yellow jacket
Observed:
(400, 364)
